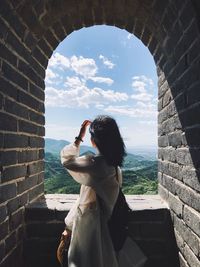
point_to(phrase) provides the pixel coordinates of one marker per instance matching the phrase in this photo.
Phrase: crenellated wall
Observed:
(30, 31)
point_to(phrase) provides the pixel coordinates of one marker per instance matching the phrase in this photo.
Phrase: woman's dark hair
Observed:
(105, 133)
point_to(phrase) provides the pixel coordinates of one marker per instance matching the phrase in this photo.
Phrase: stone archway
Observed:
(29, 33)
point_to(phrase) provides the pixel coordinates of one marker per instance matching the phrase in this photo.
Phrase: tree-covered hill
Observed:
(139, 174)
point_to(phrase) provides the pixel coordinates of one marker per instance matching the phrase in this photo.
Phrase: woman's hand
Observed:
(83, 128)
(82, 132)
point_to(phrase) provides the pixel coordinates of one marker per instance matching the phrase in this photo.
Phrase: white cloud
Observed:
(74, 82)
(142, 87)
(105, 80)
(60, 61)
(77, 94)
(139, 86)
(50, 76)
(135, 112)
(85, 67)
(142, 97)
(107, 62)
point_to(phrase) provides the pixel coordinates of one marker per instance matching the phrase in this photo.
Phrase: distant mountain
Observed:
(139, 173)
(131, 161)
(55, 146)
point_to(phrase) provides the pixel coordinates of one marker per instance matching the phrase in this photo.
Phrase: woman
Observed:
(100, 178)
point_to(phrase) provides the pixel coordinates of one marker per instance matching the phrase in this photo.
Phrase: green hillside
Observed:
(139, 174)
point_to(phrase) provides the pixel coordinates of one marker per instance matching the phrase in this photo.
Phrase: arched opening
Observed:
(30, 32)
(102, 70)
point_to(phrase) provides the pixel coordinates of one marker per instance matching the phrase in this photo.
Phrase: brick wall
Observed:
(29, 33)
(150, 226)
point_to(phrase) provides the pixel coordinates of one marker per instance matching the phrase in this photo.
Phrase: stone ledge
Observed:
(63, 202)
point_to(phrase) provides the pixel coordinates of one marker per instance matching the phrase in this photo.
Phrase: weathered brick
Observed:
(30, 101)
(17, 202)
(187, 13)
(7, 192)
(179, 240)
(190, 177)
(3, 29)
(40, 57)
(15, 141)
(188, 236)
(183, 262)
(13, 75)
(14, 257)
(191, 52)
(192, 219)
(16, 219)
(4, 229)
(9, 158)
(41, 154)
(27, 155)
(14, 108)
(162, 116)
(7, 55)
(36, 191)
(174, 170)
(190, 257)
(37, 92)
(41, 177)
(51, 40)
(175, 204)
(167, 154)
(20, 233)
(163, 89)
(163, 166)
(8, 123)
(170, 125)
(28, 70)
(36, 142)
(167, 98)
(27, 183)
(175, 139)
(163, 141)
(28, 127)
(163, 192)
(10, 242)
(183, 156)
(160, 104)
(187, 195)
(28, 15)
(13, 172)
(3, 213)
(169, 183)
(37, 118)
(2, 250)
(36, 167)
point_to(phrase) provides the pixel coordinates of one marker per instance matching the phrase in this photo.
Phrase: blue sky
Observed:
(102, 70)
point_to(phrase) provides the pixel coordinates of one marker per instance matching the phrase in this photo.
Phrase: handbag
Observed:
(62, 250)
(118, 222)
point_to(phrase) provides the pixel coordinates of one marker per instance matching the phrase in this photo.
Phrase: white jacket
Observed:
(91, 245)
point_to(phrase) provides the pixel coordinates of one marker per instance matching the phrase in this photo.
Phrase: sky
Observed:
(102, 70)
